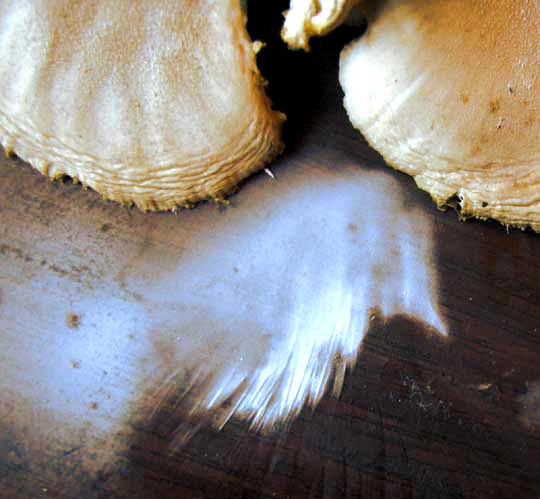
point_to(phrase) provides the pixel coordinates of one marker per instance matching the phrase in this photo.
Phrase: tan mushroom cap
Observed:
(157, 102)
(307, 18)
(449, 93)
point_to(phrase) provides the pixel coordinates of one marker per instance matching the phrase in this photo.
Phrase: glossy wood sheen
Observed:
(420, 415)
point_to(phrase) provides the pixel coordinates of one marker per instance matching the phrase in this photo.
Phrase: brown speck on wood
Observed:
(73, 320)
(58, 269)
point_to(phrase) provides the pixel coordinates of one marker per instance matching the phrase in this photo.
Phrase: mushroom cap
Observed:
(307, 18)
(157, 102)
(449, 92)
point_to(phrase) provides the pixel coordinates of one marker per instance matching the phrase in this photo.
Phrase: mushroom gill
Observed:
(159, 102)
(449, 92)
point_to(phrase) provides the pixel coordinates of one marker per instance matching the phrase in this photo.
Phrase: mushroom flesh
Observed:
(159, 102)
(449, 92)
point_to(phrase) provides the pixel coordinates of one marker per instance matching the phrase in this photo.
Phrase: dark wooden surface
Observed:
(420, 415)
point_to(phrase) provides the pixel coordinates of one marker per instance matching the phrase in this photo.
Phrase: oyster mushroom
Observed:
(307, 18)
(449, 92)
(159, 103)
